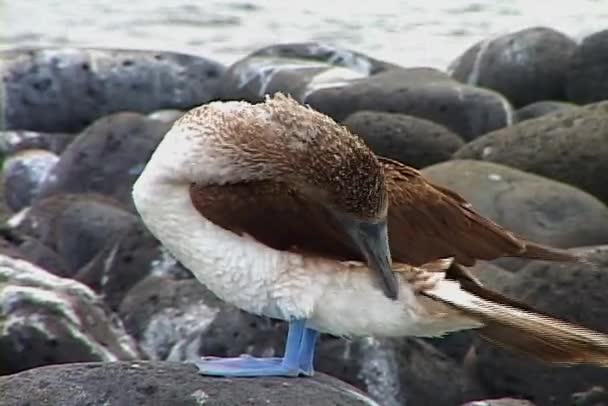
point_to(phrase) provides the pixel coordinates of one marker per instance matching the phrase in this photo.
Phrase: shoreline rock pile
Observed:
(94, 310)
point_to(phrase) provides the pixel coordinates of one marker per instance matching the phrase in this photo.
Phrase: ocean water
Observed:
(411, 33)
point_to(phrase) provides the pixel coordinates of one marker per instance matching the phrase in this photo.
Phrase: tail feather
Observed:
(534, 250)
(520, 329)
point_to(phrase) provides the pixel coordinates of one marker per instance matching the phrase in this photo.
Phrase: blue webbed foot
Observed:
(245, 366)
(298, 358)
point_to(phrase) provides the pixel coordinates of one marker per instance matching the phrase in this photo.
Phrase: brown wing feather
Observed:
(427, 222)
(275, 215)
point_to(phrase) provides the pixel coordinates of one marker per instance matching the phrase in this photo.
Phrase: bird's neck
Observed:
(228, 264)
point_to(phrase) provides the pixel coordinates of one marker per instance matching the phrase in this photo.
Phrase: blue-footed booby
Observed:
(284, 213)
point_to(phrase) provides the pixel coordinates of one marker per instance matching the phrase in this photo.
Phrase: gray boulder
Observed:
(541, 108)
(587, 79)
(23, 174)
(426, 93)
(537, 208)
(526, 66)
(46, 319)
(297, 69)
(569, 146)
(77, 227)
(411, 140)
(65, 89)
(167, 383)
(107, 157)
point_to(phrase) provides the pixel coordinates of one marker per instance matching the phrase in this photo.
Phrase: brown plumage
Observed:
(317, 171)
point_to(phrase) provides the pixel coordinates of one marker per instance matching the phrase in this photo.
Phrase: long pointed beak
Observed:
(372, 241)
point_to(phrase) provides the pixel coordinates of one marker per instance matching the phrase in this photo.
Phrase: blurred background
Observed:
(410, 33)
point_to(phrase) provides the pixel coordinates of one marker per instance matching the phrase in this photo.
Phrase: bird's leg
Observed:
(248, 366)
(307, 351)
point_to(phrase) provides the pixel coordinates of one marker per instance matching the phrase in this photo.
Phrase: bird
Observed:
(284, 213)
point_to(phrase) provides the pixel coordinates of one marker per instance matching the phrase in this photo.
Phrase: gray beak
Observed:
(372, 241)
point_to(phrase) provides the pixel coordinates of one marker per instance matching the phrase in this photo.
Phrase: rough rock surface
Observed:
(100, 243)
(541, 108)
(77, 227)
(575, 292)
(569, 146)
(23, 174)
(46, 320)
(538, 208)
(587, 79)
(295, 68)
(107, 157)
(411, 140)
(65, 89)
(525, 66)
(427, 93)
(167, 383)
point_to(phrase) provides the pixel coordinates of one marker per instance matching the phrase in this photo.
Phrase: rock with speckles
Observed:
(573, 292)
(23, 174)
(107, 157)
(168, 383)
(45, 319)
(568, 146)
(587, 79)
(297, 69)
(537, 208)
(541, 108)
(526, 66)
(180, 320)
(65, 89)
(411, 140)
(17, 140)
(102, 245)
(426, 93)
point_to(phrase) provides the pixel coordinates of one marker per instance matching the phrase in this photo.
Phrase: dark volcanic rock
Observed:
(77, 227)
(23, 174)
(17, 140)
(575, 292)
(413, 141)
(101, 244)
(65, 89)
(45, 320)
(569, 146)
(587, 79)
(297, 69)
(397, 371)
(537, 208)
(182, 320)
(525, 66)
(167, 383)
(421, 92)
(39, 254)
(125, 259)
(107, 157)
(541, 108)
